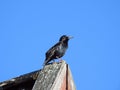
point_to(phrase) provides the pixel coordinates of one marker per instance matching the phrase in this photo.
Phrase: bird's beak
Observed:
(70, 37)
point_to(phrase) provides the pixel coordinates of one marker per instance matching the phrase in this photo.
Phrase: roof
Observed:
(25, 81)
(55, 76)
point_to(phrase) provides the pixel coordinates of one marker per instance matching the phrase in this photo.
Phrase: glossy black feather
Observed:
(58, 50)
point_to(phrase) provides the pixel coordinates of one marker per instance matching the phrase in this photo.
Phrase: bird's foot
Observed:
(60, 61)
(54, 62)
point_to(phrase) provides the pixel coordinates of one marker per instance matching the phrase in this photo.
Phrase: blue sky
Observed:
(29, 28)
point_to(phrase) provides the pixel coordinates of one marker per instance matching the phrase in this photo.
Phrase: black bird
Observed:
(58, 50)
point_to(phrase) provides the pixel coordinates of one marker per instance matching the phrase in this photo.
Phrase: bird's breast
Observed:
(61, 50)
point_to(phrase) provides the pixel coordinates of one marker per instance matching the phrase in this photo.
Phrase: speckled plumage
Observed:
(58, 50)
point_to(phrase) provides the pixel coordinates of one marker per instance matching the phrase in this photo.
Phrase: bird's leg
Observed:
(54, 61)
(59, 59)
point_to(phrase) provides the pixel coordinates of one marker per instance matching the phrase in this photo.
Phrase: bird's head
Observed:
(65, 38)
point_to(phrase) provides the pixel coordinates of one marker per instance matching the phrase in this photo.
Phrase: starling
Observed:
(58, 50)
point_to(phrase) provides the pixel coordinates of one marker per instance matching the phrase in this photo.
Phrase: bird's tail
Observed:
(45, 62)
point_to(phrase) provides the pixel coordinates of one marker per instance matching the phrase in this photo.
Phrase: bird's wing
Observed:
(52, 50)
